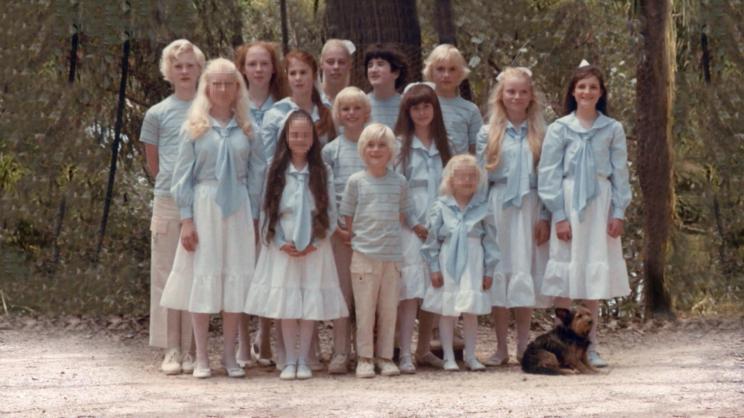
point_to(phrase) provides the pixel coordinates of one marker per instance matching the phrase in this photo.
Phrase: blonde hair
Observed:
(498, 118)
(173, 50)
(445, 52)
(376, 131)
(197, 121)
(350, 95)
(448, 173)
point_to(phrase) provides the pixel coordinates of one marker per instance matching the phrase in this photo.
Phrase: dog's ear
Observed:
(564, 315)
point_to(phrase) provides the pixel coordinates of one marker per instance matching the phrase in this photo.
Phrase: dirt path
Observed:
(693, 368)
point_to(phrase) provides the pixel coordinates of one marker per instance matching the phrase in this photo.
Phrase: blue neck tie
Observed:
(518, 180)
(585, 175)
(227, 197)
(302, 222)
(459, 241)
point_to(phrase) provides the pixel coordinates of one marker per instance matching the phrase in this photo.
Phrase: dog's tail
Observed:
(540, 362)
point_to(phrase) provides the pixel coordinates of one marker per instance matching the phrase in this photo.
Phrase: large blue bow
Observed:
(585, 174)
(302, 223)
(227, 178)
(518, 180)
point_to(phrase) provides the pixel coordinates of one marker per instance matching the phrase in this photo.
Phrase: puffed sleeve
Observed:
(256, 175)
(474, 126)
(619, 178)
(491, 251)
(182, 188)
(550, 171)
(329, 151)
(270, 132)
(432, 246)
(406, 206)
(481, 142)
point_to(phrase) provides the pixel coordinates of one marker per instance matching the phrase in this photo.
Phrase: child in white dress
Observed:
(462, 251)
(217, 186)
(295, 279)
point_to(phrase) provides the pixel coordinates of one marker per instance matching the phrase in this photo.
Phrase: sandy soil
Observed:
(72, 368)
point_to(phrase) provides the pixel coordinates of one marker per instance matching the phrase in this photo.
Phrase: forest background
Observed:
(75, 200)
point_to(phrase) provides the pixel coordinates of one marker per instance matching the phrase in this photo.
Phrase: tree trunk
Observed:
(444, 24)
(369, 22)
(654, 96)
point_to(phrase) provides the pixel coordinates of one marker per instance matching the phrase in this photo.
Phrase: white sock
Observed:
(470, 329)
(447, 336)
(593, 306)
(307, 329)
(289, 332)
(200, 322)
(523, 318)
(230, 322)
(407, 319)
(501, 326)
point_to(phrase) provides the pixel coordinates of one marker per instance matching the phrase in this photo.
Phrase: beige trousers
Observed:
(376, 293)
(168, 328)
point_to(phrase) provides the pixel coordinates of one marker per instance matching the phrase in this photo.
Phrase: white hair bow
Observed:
(524, 70)
(419, 83)
(584, 63)
(349, 46)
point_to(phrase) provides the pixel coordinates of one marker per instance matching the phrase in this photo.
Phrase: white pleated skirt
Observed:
(467, 296)
(519, 274)
(215, 277)
(414, 273)
(590, 265)
(286, 287)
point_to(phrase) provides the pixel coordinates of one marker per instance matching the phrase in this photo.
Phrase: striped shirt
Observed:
(343, 158)
(375, 204)
(463, 121)
(384, 111)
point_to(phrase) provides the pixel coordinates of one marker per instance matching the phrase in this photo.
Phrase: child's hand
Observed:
(542, 232)
(189, 237)
(343, 235)
(615, 227)
(487, 282)
(437, 280)
(420, 232)
(290, 249)
(310, 248)
(563, 230)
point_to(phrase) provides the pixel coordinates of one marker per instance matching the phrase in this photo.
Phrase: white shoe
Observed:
(235, 371)
(450, 365)
(202, 373)
(595, 360)
(474, 365)
(304, 372)
(365, 368)
(187, 363)
(406, 365)
(261, 361)
(339, 364)
(497, 359)
(387, 368)
(289, 372)
(429, 359)
(171, 362)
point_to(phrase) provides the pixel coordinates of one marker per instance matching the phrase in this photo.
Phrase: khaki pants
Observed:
(375, 287)
(168, 328)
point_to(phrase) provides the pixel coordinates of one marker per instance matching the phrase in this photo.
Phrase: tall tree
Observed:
(368, 22)
(654, 97)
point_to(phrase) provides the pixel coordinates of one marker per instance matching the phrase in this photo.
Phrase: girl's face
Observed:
(587, 92)
(377, 154)
(258, 68)
(352, 116)
(517, 94)
(184, 71)
(446, 75)
(336, 64)
(464, 180)
(300, 77)
(222, 90)
(380, 74)
(422, 114)
(300, 136)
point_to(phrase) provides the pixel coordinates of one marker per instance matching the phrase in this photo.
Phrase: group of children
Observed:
(330, 203)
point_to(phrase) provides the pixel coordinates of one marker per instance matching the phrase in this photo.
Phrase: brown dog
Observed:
(563, 349)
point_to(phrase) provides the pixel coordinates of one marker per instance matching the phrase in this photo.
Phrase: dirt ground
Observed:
(74, 367)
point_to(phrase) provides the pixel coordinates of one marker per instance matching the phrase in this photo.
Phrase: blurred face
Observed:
(184, 71)
(222, 90)
(464, 180)
(336, 65)
(380, 74)
(377, 154)
(352, 116)
(258, 68)
(300, 136)
(422, 114)
(446, 75)
(517, 94)
(300, 76)
(587, 92)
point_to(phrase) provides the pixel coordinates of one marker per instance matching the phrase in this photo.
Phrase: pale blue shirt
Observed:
(199, 159)
(343, 157)
(449, 229)
(162, 128)
(375, 204)
(258, 112)
(384, 111)
(570, 150)
(273, 123)
(463, 121)
(516, 168)
(289, 205)
(424, 173)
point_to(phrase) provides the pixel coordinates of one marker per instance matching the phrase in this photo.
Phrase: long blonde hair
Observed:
(498, 118)
(197, 121)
